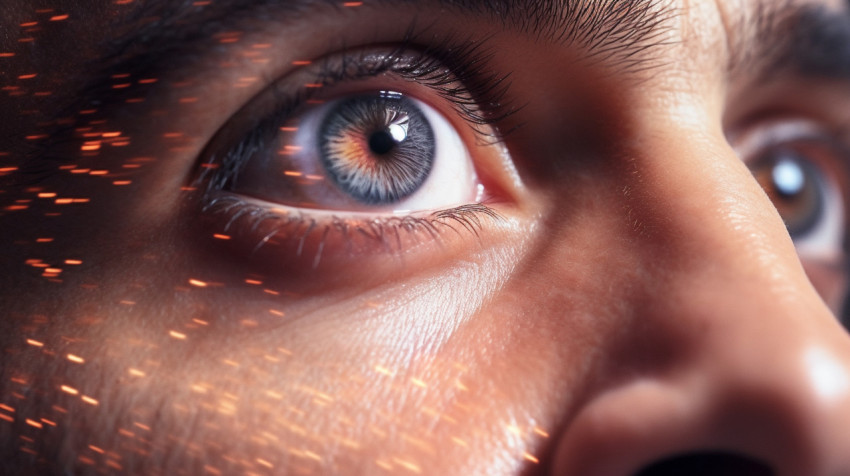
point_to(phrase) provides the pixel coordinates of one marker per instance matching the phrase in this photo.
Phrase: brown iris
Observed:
(794, 186)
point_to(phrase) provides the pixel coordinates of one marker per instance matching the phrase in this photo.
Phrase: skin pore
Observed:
(185, 290)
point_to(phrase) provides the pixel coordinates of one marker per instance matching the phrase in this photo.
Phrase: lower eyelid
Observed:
(278, 238)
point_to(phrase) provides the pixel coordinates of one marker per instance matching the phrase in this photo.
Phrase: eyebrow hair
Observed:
(179, 30)
(809, 41)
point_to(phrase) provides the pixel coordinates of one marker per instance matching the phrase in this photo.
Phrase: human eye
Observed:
(802, 165)
(364, 151)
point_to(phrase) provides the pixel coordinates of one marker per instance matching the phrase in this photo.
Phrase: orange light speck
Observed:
(89, 400)
(98, 172)
(198, 283)
(71, 390)
(300, 63)
(43, 240)
(59, 17)
(73, 261)
(530, 457)
(96, 449)
(148, 81)
(111, 134)
(264, 463)
(122, 182)
(276, 312)
(6, 55)
(292, 173)
(121, 85)
(29, 24)
(35, 343)
(177, 335)
(136, 372)
(76, 358)
(253, 281)
(90, 146)
(352, 4)
(46, 195)
(34, 423)
(219, 236)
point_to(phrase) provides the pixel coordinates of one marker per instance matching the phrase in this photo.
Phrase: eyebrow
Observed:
(810, 41)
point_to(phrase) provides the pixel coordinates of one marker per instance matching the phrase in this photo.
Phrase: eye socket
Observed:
(381, 152)
(803, 172)
(360, 154)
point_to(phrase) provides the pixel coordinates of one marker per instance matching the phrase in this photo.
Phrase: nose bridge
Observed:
(754, 363)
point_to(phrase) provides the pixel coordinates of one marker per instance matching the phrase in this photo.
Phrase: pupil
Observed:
(381, 142)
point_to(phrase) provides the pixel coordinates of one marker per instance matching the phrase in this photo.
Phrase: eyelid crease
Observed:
(262, 224)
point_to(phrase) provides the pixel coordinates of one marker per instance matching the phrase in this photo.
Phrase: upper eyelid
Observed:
(370, 62)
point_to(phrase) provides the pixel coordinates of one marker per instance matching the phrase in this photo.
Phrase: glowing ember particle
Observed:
(541, 432)
(264, 463)
(418, 383)
(46, 195)
(177, 335)
(148, 81)
(315, 177)
(89, 400)
(7, 418)
(73, 261)
(36, 137)
(76, 358)
(34, 423)
(142, 426)
(201, 322)
(71, 390)
(300, 63)
(289, 129)
(292, 173)
(112, 134)
(408, 465)
(276, 312)
(136, 372)
(53, 270)
(63, 201)
(98, 172)
(352, 4)
(253, 281)
(96, 449)
(58, 17)
(48, 422)
(459, 442)
(219, 236)
(27, 76)
(122, 182)
(7, 408)
(35, 343)
(198, 283)
(90, 146)
(6, 55)
(530, 457)
(121, 86)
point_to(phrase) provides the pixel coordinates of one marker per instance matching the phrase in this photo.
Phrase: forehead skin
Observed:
(588, 338)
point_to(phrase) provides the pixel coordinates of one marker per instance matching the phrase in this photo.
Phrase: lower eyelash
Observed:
(260, 226)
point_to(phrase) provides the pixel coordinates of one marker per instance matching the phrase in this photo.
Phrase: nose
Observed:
(729, 362)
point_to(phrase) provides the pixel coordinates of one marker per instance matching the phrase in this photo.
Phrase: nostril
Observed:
(707, 464)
